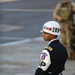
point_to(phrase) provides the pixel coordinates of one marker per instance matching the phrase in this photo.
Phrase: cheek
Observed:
(46, 37)
(43, 35)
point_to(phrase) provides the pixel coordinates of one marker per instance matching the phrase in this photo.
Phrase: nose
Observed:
(43, 34)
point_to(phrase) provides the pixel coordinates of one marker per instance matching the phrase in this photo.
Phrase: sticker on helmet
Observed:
(57, 30)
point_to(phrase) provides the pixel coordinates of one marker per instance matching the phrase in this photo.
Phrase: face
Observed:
(47, 36)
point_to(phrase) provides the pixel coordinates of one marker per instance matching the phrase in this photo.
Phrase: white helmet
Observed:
(52, 27)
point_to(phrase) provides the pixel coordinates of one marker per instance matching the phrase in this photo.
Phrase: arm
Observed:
(44, 63)
(55, 13)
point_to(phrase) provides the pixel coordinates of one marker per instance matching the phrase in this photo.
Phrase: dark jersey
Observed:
(52, 59)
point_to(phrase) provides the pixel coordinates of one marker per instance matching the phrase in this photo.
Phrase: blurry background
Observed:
(20, 38)
(20, 18)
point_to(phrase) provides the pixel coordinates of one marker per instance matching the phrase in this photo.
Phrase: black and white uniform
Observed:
(52, 59)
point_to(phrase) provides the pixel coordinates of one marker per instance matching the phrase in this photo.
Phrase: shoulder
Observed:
(59, 4)
(72, 4)
(49, 48)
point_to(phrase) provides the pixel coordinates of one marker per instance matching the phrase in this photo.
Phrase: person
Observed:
(73, 39)
(54, 55)
(63, 14)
